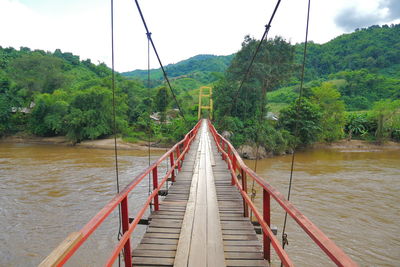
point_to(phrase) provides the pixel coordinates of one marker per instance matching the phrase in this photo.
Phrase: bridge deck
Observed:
(200, 221)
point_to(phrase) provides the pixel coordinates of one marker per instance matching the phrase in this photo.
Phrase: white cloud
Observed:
(181, 28)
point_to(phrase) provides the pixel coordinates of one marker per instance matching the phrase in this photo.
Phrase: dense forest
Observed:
(50, 94)
(352, 89)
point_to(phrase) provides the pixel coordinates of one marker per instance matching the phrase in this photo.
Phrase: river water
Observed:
(49, 191)
(352, 196)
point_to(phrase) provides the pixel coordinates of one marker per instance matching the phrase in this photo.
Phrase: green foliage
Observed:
(38, 73)
(302, 120)
(5, 115)
(356, 72)
(362, 88)
(371, 48)
(356, 125)
(332, 120)
(162, 99)
(204, 69)
(47, 117)
(91, 112)
(272, 66)
(387, 114)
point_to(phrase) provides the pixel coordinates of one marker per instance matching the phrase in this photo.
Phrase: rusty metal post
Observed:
(244, 186)
(125, 227)
(234, 162)
(223, 149)
(178, 154)
(171, 160)
(155, 185)
(267, 219)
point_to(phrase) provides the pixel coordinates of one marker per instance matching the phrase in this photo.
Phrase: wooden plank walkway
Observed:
(200, 221)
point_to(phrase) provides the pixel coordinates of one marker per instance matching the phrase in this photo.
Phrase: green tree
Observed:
(333, 120)
(161, 101)
(90, 115)
(387, 115)
(38, 73)
(302, 121)
(356, 125)
(272, 66)
(48, 115)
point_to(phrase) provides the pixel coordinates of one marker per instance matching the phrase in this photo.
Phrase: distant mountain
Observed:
(376, 48)
(202, 68)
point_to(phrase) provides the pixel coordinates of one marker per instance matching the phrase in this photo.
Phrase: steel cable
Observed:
(298, 109)
(264, 36)
(159, 60)
(114, 122)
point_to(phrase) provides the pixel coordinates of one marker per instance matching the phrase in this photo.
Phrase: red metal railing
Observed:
(67, 248)
(236, 164)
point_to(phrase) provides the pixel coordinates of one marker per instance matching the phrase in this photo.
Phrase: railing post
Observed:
(267, 219)
(171, 160)
(223, 149)
(155, 185)
(234, 162)
(244, 187)
(178, 154)
(125, 227)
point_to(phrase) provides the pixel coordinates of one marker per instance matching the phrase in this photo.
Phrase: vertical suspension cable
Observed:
(114, 122)
(149, 110)
(298, 109)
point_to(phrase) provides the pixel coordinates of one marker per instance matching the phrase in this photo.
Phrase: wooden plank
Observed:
(161, 235)
(215, 246)
(240, 249)
(157, 247)
(163, 230)
(151, 261)
(240, 237)
(182, 254)
(159, 241)
(244, 255)
(198, 244)
(254, 263)
(154, 253)
(166, 224)
(215, 242)
(55, 257)
(242, 242)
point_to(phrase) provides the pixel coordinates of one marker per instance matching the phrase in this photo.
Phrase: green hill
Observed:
(56, 93)
(374, 48)
(202, 68)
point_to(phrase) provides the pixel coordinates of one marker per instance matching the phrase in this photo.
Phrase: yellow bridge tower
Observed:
(209, 96)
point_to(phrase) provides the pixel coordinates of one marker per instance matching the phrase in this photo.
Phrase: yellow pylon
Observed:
(209, 95)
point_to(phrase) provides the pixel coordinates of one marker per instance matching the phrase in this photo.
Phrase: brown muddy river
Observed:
(49, 191)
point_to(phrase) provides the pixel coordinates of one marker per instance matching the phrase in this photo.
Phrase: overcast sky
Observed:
(180, 28)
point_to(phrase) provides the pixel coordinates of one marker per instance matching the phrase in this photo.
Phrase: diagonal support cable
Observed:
(148, 33)
(264, 36)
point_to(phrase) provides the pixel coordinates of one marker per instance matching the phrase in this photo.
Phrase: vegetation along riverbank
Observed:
(351, 91)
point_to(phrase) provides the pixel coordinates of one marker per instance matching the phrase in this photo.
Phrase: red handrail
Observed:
(122, 198)
(235, 163)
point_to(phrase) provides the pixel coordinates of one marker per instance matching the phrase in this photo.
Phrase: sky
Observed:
(180, 28)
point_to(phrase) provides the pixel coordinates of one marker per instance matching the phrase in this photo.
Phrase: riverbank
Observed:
(107, 143)
(358, 145)
(245, 151)
(251, 152)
